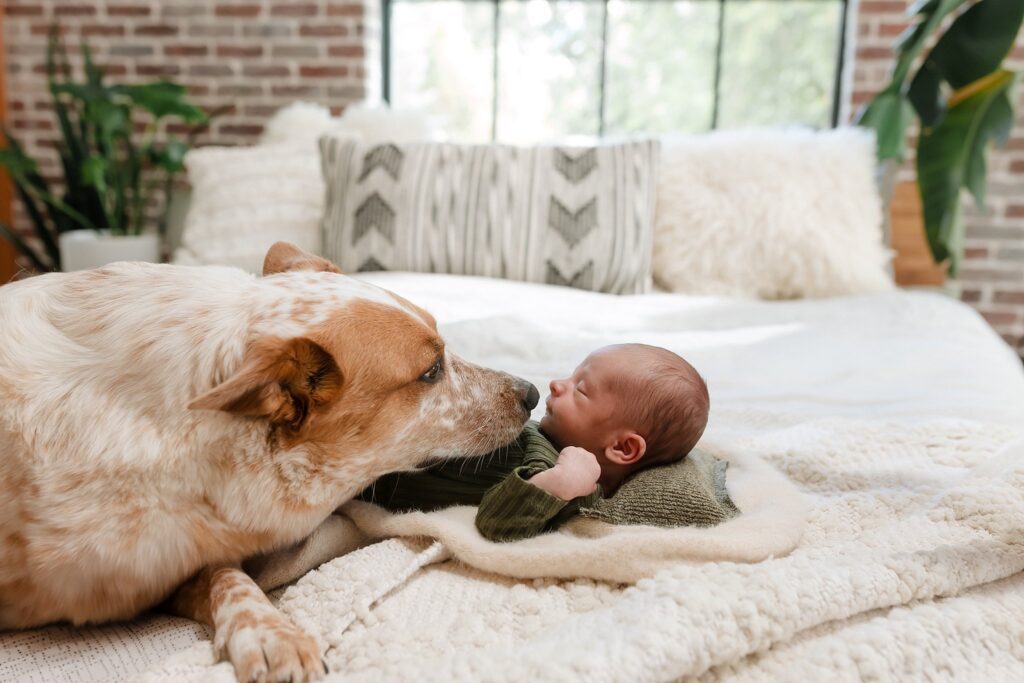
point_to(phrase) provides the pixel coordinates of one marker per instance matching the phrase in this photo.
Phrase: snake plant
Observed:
(110, 171)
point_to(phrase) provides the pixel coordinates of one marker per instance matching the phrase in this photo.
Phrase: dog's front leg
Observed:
(261, 643)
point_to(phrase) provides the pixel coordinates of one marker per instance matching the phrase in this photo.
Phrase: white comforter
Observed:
(895, 414)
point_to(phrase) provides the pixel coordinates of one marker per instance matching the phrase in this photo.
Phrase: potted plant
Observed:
(110, 173)
(962, 99)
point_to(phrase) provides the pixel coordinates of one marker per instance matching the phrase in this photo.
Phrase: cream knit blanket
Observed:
(905, 571)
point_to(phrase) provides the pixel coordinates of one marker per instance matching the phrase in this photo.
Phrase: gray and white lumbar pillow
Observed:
(581, 217)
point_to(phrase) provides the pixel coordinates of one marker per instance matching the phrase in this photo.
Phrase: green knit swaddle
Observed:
(690, 492)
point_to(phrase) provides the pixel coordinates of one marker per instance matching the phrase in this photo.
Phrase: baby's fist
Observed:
(579, 471)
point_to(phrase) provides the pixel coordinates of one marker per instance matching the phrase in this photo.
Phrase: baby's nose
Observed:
(555, 387)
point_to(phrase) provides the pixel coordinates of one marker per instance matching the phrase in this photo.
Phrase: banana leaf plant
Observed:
(963, 99)
(110, 171)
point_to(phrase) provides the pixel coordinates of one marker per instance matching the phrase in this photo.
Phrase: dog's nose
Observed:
(530, 396)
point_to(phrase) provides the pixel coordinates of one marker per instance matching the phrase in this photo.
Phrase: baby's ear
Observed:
(627, 449)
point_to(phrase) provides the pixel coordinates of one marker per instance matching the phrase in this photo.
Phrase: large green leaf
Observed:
(972, 47)
(909, 45)
(23, 248)
(951, 156)
(29, 183)
(889, 114)
(163, 98)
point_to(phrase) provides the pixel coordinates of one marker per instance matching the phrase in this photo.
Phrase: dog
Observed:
(159, 424)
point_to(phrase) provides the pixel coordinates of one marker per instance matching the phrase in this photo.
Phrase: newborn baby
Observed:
(623, 409)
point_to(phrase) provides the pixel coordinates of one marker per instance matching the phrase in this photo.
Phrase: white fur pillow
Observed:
(773, 214)
(246, 198)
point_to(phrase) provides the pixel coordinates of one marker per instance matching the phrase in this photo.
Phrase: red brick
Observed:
(999, 318)
(23, 10)
(890, 30)
(239, 50)
(294, 91)
(327, 30)
(240, 129)
(102, 30)
(346, 51)
(115, 69)
(211, 70)
(345, 10)
(185, 50)
(323, 71)
(239, 89)
(1018, 165)
(882, 7)
(156, 30)
(1015, 210)
(237, 10)
(293, 10)
(975, 253)
(868, 52)
(73, 10)
(157, 69)
(1009, 297)
(970, 296)
(128, 10)
(266, 70)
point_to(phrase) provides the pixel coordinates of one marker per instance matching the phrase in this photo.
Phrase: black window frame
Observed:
(387, 6)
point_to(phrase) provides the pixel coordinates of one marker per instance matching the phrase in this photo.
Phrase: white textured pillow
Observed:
(246, 198)
(774, 214)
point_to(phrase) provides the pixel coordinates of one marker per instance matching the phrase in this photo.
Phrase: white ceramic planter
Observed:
(85, 249)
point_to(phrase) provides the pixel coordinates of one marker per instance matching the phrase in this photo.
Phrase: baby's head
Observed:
(631, 405)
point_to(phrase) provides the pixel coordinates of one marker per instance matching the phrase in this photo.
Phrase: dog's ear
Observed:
(285, 256)
(281, 380)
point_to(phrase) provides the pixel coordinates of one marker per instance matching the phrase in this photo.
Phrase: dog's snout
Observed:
(530, 397)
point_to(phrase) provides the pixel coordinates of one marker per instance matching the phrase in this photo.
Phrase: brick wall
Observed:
(992, 274)
(255, 55)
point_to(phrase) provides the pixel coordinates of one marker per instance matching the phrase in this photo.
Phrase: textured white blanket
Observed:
(898, 416)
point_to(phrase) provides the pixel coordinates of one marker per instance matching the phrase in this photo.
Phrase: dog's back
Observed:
(96, 370)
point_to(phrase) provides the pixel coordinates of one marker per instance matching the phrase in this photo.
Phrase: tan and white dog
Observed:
(158, 424)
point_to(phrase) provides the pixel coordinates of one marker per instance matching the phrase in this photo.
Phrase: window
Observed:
(527, 70)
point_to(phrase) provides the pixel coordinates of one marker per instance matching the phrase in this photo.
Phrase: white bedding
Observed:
(884, 410)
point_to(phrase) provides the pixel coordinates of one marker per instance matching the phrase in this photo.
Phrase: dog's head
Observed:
(347, 370)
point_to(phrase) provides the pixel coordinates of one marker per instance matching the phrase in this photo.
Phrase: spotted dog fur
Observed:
(159, 424)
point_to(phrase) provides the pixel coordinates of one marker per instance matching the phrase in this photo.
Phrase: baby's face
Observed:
(582, 409)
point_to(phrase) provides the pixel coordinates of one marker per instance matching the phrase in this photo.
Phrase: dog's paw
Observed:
(268, 648)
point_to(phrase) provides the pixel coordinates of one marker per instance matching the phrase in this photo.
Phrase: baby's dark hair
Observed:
(667, 400)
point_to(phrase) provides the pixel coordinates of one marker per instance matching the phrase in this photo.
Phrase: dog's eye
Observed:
(433, 374)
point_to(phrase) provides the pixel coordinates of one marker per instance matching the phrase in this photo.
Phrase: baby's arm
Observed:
(522, 506)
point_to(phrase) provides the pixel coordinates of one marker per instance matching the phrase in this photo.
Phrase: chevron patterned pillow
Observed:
(580, 217)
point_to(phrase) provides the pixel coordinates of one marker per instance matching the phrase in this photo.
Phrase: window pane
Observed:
(549, 69)
(661, 65)
(779, 62)
(442, 61)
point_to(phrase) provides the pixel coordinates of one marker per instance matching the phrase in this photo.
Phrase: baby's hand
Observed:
(575, 474)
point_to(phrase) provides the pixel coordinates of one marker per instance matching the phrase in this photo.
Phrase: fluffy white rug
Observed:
(902, 517)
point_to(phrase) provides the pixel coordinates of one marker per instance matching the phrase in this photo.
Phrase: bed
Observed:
(899, 416)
